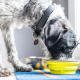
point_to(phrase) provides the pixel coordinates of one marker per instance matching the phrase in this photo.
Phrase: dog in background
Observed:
(19, 13)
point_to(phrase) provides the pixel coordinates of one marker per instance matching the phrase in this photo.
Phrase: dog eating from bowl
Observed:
(57, 34)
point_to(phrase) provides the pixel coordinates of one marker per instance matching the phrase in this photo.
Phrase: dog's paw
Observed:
(4, 72)
(24, 68)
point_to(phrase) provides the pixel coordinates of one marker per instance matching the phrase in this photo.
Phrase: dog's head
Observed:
(60, 39)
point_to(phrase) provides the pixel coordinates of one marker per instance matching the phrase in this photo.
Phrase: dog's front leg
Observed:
(11, 50)
(3, 71)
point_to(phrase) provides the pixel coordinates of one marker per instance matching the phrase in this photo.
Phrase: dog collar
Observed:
(43, 20)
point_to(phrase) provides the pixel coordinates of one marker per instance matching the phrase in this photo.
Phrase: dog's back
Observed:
(9, 7)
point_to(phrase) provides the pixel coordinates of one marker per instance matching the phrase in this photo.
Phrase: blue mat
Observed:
(35, 75)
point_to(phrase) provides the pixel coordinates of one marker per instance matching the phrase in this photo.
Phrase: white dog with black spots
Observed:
(57, 34)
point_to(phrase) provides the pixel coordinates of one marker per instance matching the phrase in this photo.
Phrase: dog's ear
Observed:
(54, 31)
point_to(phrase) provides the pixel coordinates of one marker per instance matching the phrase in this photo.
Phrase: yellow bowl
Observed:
(63, 67)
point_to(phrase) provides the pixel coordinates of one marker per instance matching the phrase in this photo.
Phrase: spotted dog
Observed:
(56, 35)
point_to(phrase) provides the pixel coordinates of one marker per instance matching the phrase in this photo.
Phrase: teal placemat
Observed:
(44, 75)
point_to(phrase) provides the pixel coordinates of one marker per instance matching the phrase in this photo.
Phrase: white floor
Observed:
(12, 77)
(11, 69)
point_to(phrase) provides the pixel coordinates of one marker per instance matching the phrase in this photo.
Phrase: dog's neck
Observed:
(34, 10)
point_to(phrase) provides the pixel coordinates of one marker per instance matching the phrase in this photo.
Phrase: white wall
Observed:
(72, 18)
(71, 12)
(24, 44)
(64, 4)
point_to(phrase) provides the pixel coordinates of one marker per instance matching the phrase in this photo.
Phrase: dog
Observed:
(57, 35)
